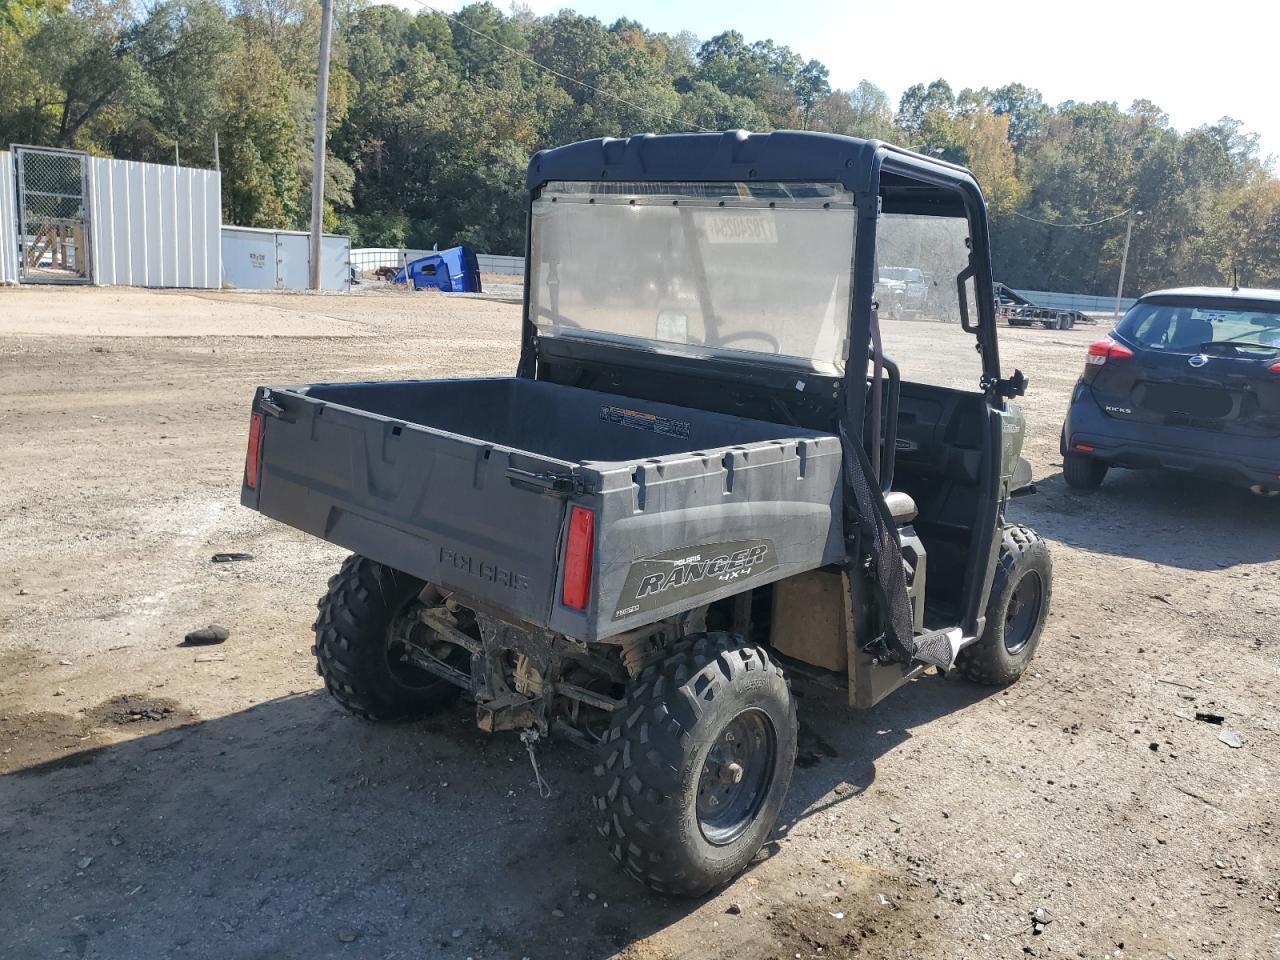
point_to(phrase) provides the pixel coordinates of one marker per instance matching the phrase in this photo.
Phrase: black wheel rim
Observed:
(1023, 614)
(408, 631)
(736, 776)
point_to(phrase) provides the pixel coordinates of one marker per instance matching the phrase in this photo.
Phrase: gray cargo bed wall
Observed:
(419, 476)
(680, 531)
(566, 423)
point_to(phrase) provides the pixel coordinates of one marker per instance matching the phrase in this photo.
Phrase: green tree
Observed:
(706, 105)
(919, 100)
(728, 62)
(865, 111)
(262, 151)
(1025, 109)
(432, 120)
(21, 18)
(91, 76)
(184, 48)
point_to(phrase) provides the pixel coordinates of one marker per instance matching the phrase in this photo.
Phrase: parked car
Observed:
(902, 290)
(1189, 380)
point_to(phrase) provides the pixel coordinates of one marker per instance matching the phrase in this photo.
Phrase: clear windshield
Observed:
(698, 268)
(920, 316)
(1190, 328)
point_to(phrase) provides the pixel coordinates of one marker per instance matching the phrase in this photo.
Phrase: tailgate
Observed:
(457, 511)
(1229, 395)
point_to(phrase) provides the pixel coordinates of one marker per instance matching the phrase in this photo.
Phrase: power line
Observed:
(674, 121)
(1091, 223)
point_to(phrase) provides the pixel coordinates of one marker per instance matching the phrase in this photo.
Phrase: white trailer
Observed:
(255, 259)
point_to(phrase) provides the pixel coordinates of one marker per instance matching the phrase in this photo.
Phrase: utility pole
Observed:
(322, 109)
(1124, 259)
(217, 160)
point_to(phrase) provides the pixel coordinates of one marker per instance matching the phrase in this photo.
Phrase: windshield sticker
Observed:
(679, 575)
(639, 420)
(738, 227)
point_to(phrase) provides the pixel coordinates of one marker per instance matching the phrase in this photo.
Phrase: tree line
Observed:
(432, 119)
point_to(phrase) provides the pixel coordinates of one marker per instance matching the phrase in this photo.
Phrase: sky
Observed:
(1197, 61)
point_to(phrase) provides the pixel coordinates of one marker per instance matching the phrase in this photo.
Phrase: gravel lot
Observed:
(156, 804)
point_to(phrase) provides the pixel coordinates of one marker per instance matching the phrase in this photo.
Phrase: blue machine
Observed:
(453, 271)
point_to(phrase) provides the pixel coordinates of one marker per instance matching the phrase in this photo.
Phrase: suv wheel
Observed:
(697, 763)
(1083, 472)
(1016, 612)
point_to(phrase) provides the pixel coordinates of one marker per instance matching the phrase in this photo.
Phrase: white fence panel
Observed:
(154, 225)
(135, 250)
(211, 223)
(367, 259)
(8, 220)
(493, 263)
(153, 245)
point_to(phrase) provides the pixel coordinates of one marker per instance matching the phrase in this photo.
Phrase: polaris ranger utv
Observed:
(705, 474)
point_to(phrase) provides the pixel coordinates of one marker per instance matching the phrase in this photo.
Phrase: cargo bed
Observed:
(468, 483)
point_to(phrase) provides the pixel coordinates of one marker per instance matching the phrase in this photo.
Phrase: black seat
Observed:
(902, 507)
(1189, 333)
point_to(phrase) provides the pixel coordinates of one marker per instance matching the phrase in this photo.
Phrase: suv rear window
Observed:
(1186, 327)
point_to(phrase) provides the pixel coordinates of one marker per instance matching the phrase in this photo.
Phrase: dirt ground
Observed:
(156, 802)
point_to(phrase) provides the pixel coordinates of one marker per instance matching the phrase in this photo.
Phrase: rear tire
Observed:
(1083, 472)
(1016, 612)
(357, 649)
(696, 765)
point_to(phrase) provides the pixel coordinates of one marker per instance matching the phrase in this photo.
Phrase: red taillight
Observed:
(1274, 368)
(577, 558)
(1107, 349)
(251, 456)
(1083, 447)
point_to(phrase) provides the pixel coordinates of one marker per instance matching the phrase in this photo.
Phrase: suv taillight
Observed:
(1107, 349)
(577, 558)
(251, 455)
(1274, 368)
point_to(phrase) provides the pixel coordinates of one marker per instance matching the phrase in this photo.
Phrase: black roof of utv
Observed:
(908, 182)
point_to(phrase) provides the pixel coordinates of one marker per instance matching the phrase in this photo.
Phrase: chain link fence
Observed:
(53, 230)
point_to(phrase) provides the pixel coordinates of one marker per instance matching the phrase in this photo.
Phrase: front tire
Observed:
(1016, 612)
(365, 618)
(696, 765)
(1083, 472)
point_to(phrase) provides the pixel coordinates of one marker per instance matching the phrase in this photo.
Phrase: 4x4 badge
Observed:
(1199, 360)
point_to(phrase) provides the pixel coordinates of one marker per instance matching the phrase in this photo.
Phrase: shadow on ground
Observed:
(291, 830)
(1167, 518)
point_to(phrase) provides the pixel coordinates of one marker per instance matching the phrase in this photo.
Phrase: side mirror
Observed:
(1008, 387)
(1015, 386)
